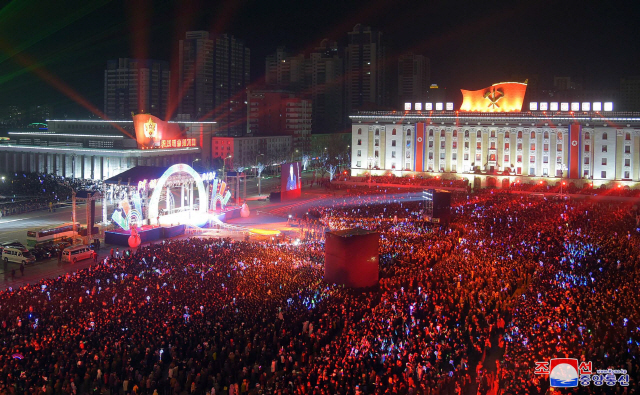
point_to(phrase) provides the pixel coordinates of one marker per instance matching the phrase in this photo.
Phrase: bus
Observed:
(51, 234)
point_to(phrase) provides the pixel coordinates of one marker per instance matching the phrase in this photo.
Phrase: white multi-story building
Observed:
(596, 146)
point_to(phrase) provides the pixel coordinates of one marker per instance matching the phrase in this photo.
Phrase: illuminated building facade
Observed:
(97, 149)
(584, 146)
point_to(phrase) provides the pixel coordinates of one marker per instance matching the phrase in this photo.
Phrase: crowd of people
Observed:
(25, 192)
(467, 308)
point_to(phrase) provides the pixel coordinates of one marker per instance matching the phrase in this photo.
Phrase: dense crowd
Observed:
(25, 192)
(418, 181)
(463, 309)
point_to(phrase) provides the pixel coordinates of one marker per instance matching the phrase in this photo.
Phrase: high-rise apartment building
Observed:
(231, 74)
(280, 113)
(195, 76)
(413, 78)
(327, 88)
(365, 69)
(136, 85)
(214, 73)
(286, 71)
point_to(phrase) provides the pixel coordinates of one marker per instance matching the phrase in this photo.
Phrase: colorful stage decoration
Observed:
(127, 217)
(501, 97)
(219, 193)
(244, 211)
(134, 239)
(196, 218)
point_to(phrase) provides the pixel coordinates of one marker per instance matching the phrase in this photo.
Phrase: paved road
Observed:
(15, 227)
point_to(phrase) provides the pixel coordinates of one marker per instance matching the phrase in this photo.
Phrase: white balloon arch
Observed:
(201, 215)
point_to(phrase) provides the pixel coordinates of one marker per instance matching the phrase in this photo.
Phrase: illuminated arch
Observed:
(200, 216)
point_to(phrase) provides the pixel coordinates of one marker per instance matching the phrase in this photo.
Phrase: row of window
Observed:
(493, 134)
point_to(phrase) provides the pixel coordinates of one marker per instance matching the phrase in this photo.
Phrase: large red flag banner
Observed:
(502, 97)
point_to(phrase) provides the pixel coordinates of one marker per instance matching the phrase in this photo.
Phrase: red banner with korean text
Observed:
(151, 130)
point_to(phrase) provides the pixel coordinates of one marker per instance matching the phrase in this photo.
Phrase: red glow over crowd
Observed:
(467, 309)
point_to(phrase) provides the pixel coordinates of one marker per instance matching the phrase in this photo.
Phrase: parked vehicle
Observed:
(41, 254)
(17, 255)
(56, 248)
(77, 253)
(15, 244)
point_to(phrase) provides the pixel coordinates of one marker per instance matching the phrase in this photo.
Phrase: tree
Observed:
(331, 171)
(305, 161)
(260, 167)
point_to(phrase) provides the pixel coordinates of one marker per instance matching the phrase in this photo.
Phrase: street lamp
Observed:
(224, 162)
(194, 161)
(292, 152)
(563, 167)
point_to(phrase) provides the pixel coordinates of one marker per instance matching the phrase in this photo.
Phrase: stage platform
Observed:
(147, 233)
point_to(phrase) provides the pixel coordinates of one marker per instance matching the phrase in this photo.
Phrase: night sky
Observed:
(55, 52)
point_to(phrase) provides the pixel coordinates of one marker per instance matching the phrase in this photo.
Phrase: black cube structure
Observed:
(438, 205)
(351, 258)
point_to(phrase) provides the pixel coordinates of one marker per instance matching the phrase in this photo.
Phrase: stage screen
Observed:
(290, 183)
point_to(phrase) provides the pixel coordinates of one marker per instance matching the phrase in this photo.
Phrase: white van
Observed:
(18, 255)
(77, 253)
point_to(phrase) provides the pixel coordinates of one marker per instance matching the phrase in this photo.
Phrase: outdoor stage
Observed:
(147, 233)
